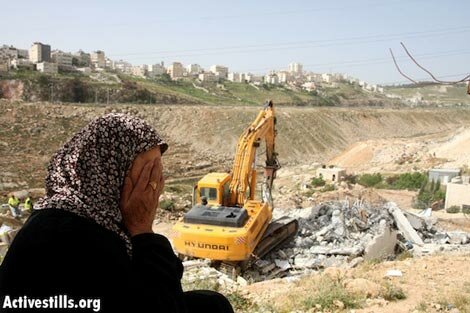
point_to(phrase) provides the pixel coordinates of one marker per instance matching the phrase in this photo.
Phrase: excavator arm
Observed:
(243, 183)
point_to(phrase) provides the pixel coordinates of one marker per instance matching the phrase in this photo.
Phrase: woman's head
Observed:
(86, 175)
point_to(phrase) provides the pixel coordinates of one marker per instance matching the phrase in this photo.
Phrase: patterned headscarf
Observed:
(86, 175)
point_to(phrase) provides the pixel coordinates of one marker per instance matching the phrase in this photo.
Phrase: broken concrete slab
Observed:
(417, 222)
(355, 262)
(305, 262)
(456, 237)
(393, 273)
(283, 264)
(404, 225)
(382, 245)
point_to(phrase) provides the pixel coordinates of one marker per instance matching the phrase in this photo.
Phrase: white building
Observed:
(84, 70)
(22, 63)
(219, 71)
(194, 69)
(314, 77)
(309, 86)
(458, 192)
(98, 59)
(327, 78)
(8, 52)
(122, 66)
(156, 70)
(284, 77)
(234, 77)
(63, 59)
(296, 69)
(109, 63)
(139, 71)
(40, 53)
(175, 70)
(331, 174)
(271, 78)
(47, 67)
(4, 65)
(207, 77)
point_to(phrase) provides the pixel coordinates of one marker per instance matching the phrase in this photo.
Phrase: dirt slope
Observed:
(202, 138)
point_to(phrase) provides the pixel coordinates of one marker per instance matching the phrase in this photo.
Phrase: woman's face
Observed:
(153, 155)
(141, 192)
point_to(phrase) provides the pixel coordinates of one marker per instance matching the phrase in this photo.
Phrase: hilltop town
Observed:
(41, 58)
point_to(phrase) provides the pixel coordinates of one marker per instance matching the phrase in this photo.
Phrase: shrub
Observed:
(350, 178)
(370, 180)
(328, 293)
(466, 210)
(392, 292)
(410, 181)
(318, 182)
(453, 209)
(167, 205)
(328, 187)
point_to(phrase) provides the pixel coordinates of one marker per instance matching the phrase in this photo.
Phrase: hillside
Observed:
(108, 87)
(443, 95)
(204, 137)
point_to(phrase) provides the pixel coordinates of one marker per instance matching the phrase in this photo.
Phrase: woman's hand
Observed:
(139, 197)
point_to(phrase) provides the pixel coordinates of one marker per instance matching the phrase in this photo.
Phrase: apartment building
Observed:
(271, 78)
(175, 70)
(83, 59)
(8, 52)
(98, 59)
(219, 71)
(194, 69)
(122, 66)
(295, 68)
(207, 77)
(47, 67)
(234, 77)
(62, 59)
(40, 52)
(22, 63)
(156, 70)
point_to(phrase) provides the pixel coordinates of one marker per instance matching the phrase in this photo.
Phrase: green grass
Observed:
(328, 294)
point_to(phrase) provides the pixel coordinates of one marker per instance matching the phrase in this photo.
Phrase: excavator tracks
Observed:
(278, 232)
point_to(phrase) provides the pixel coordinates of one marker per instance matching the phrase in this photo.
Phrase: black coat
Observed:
(59, 253)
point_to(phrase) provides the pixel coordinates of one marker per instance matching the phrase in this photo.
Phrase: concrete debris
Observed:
(195, 264)
(404, 224)
(343, 234)
(282, 264)
(394, 273)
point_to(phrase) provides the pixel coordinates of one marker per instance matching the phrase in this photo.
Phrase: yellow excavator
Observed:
(227, 223)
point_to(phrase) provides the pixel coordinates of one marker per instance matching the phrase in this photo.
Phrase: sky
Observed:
(256, 36)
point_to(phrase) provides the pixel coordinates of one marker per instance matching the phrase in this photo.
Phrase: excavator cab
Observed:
(210, 197)
(214, 187)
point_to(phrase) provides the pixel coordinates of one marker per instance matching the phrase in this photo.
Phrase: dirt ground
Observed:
(429, 283)
(444, 149)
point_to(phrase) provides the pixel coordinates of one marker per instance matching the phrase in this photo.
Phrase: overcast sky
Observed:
(326, 36)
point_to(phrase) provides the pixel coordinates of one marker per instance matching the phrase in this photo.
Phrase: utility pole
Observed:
(107, 97)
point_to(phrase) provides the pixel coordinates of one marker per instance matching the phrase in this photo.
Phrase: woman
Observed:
(91, 236)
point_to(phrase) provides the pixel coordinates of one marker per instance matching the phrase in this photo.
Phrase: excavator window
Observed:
(209, 193)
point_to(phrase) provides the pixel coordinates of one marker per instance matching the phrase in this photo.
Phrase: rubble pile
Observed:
(343, 234)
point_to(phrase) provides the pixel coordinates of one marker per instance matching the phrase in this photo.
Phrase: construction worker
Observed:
(14, 204)
(28, 204)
